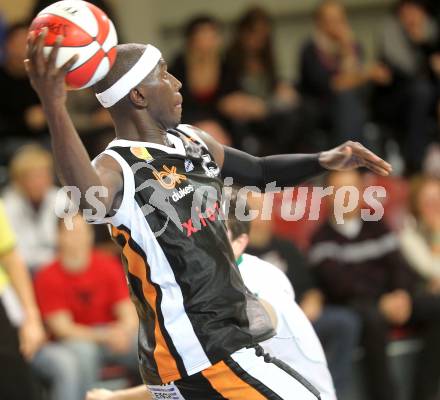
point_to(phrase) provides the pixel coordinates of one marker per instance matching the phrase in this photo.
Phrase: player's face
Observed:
(163, 97)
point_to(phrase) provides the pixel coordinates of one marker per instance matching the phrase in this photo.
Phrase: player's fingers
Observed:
(30, 45)
(375, 168)
(69, 64)
(39, 56)
(51, 61)
(360, 151)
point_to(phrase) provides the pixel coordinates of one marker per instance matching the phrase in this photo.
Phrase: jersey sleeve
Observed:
(7, 237)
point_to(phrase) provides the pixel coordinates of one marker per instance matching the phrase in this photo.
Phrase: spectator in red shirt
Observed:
(84, 300)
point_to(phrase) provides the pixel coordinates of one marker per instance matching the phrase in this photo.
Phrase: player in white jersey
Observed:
(295, 341)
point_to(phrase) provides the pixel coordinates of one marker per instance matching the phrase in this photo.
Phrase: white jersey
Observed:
(296, 342)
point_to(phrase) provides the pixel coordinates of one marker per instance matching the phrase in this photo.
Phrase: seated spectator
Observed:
(337, 327)
(420, 238)
(21, 330)
(332, 75)
(358, 264)
(21, 115)
(200, 68)
(84, 301)
(255, 100)
(409, 46)
(30, 203)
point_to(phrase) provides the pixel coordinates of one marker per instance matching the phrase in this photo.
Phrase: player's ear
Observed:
(138, 98)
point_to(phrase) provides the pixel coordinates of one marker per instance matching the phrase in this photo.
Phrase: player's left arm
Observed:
(290, 169)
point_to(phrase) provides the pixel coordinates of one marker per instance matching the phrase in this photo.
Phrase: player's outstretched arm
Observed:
(72, 161)
(291, 169)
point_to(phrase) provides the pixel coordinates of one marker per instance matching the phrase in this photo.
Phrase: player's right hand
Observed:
(46, 79)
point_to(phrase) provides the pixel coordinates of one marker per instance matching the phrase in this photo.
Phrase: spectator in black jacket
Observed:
(358, 264)
(21, 115)
(409, 46)
(260, 107)
(333, 74)
(201, 70)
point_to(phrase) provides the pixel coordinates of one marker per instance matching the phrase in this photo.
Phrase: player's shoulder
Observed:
(194, 133)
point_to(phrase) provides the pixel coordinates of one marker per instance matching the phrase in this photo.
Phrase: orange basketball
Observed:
(87, 32)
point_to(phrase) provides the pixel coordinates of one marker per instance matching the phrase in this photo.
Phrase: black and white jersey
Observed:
(193, 307)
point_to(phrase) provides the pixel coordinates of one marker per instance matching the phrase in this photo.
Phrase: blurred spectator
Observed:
(359, 264)
(337, 327)
(200, 68)
(21, 115)
(84, 300)
(409, 46)
(420, 238)
(17, 346)
(333, 74)
(30, 203)
(255, 99)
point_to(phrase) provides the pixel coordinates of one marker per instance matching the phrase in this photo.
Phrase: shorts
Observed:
(247, 374)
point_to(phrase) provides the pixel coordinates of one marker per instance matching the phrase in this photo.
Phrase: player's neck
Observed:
(139, 128)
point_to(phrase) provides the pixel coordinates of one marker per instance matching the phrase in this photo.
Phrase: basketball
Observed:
(87, 31)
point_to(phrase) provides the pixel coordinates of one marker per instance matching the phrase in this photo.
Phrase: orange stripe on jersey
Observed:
(228, 384)
(166, 364)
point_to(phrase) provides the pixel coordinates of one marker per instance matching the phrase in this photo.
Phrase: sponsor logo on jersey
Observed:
(189, 166)
(211, 168)
(182, 192)
(210, 215)
(142, 153)
(168, 177)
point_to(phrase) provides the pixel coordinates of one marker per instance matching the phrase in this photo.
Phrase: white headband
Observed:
(146, 63)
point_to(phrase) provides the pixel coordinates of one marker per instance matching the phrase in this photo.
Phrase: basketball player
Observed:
(295, 341)
(198, 324)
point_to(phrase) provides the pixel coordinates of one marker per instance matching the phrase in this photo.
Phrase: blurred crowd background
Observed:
(267, 77)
